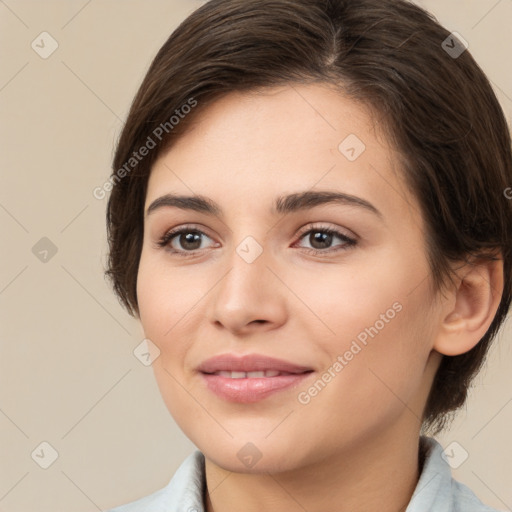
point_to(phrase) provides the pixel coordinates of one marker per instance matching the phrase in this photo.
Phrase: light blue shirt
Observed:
(436, 489)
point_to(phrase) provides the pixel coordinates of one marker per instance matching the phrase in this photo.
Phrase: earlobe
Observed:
(473, 305)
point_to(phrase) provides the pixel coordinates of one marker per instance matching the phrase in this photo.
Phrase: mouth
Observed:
(250, 378)
(250, 364)
(251, 387)
(251, 375)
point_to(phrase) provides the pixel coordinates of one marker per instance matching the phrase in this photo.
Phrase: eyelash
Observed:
(166, 239)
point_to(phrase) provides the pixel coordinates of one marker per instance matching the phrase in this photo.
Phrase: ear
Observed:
(470, 306)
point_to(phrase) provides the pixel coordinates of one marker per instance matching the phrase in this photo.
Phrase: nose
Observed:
(249, 297)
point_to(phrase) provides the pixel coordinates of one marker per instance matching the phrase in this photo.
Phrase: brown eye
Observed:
(182, 241)
(321, 240)
(190, 241)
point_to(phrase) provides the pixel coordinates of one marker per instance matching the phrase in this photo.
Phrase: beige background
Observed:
(67, 369)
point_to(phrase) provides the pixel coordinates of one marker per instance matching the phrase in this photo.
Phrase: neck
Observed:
(377, 474)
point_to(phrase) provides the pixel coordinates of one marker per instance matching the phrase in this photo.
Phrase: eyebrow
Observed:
(284, 204)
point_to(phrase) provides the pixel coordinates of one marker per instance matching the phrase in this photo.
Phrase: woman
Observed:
(308, 217)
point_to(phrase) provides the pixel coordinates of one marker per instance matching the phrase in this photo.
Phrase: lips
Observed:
(249, 363)
(250, 378)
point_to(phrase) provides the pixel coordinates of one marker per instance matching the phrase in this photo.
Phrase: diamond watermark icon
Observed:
(249, 249)
(249, 455)
(351, 147)
(454, 455)
(146, 352)
(454, 45)
(44, 45)
(44, 455)
(44, 250)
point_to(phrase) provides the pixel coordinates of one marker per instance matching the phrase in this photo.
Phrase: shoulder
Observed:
(466, 501)
(438, 490)
(183, 492)
(154, 502)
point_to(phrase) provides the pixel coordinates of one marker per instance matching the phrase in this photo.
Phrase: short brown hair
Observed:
(437, 105)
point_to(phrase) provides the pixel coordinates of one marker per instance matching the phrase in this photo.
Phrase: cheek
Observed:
(379, 320)
(152, 301)
(382, 346)
(369, 289)
(166, 296)
(374, 374)
(164, 304)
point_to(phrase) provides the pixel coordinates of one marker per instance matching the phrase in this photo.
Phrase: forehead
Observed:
(284, 139)
(297, 113)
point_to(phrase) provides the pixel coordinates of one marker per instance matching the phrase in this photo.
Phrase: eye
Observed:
(321, 238)
(188, 238)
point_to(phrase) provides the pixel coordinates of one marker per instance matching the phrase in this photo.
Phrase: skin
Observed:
(354, 446)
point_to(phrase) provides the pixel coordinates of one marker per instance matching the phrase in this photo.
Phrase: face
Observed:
(286, 317)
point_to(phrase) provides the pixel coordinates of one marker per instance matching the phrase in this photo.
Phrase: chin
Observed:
(252, 457)
(274, 463)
